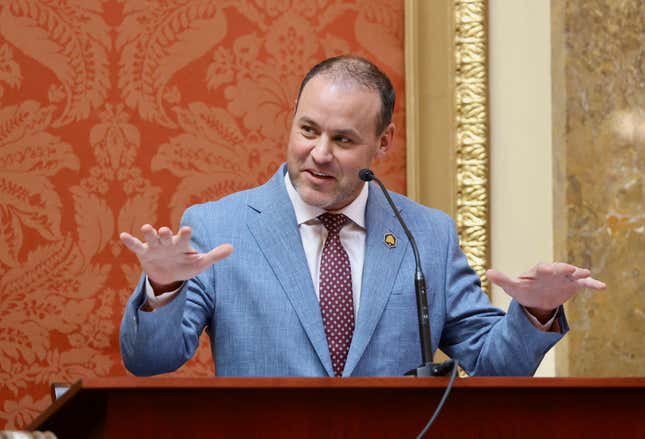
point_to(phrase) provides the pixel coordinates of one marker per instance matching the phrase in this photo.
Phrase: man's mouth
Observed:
(319, 174)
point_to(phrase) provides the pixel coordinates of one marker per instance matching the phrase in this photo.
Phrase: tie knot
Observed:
(333, 222)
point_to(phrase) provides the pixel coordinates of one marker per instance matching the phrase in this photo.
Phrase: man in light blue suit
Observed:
(261, 305)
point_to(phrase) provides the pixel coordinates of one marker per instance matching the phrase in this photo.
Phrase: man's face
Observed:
(333, 136)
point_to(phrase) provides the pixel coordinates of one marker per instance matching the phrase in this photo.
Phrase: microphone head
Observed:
(365, 174)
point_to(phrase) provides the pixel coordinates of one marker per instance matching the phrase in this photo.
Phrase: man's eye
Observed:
(343, 139)
(308, 131)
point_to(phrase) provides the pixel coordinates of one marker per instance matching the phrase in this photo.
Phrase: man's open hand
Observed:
(546, 286)
(167, 258)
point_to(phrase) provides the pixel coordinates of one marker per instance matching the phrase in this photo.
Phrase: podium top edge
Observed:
(163, 382)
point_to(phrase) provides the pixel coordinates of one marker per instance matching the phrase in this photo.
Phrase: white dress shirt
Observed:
(314, 234)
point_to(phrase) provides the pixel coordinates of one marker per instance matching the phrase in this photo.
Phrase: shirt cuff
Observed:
(545, 327)
(153, 301)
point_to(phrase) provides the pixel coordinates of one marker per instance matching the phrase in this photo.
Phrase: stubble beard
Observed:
(328, 201)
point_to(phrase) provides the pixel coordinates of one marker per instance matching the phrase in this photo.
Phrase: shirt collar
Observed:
(355, 210)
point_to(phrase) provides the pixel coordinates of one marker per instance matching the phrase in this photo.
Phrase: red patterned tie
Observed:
(335, 287)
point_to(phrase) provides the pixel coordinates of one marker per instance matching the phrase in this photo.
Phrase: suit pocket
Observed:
(402, 298)
(407, 297)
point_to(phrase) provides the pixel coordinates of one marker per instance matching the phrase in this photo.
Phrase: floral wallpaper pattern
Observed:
(121, 112)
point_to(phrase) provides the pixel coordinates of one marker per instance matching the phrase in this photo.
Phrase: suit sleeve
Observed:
(163, 340)
(484, 339)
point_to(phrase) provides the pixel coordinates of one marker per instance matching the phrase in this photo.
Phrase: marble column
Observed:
(598, 54)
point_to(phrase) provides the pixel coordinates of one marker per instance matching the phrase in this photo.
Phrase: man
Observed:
(313, 288)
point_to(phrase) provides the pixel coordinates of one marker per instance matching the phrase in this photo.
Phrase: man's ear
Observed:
(385, 141)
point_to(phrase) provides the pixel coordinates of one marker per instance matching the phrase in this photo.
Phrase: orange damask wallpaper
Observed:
(117, 113)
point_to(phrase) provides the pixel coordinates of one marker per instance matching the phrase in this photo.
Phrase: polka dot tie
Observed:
(335, 287)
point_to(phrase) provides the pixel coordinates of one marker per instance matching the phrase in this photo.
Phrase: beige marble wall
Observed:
(598, 77)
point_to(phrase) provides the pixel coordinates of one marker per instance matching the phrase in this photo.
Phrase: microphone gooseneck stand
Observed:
(427, 368)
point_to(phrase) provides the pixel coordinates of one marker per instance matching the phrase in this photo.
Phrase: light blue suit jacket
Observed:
(263, 318)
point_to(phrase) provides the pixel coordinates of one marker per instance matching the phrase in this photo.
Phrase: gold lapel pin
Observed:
(390, 240)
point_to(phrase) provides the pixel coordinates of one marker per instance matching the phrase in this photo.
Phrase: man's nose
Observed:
(322, 151)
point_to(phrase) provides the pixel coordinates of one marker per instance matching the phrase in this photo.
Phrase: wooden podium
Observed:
(350, 407)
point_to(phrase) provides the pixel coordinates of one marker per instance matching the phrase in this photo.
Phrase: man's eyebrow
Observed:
(305, 119)
(348, 132)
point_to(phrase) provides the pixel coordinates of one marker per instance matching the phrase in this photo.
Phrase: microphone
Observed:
(428, 368)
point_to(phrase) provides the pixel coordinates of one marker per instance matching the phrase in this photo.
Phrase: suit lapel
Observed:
(380, 269)
(275, 230)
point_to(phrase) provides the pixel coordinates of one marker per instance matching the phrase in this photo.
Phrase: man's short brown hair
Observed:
(360, 71)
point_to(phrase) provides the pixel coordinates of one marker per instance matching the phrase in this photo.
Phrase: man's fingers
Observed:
(580, 273)
(217, 254)
(563, 269)
(183, 236)
(591, 283)
(499, 278)
(554, 269)
(165, 236)
(150, 234)
(132, 243)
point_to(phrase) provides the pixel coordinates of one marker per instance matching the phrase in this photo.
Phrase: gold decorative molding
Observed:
(471, 149)
(447, 116)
